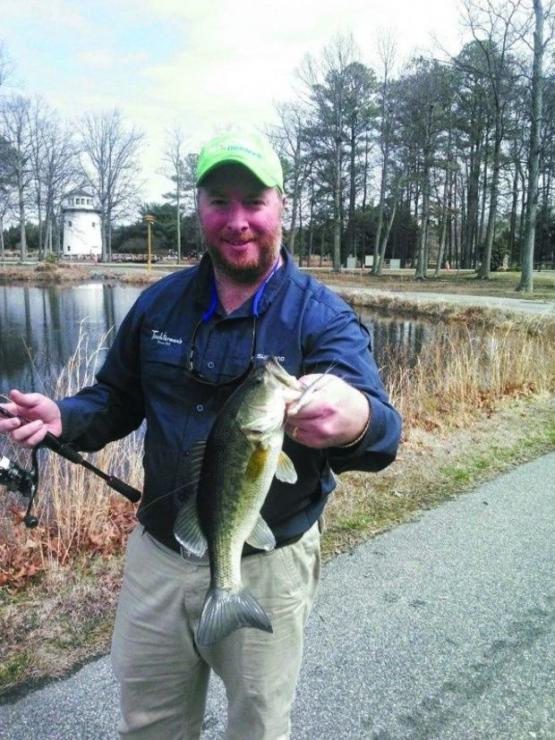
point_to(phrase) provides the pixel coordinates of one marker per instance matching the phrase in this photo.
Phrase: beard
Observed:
(249, 272)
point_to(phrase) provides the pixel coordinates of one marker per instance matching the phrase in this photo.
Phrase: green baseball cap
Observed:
(248, 148)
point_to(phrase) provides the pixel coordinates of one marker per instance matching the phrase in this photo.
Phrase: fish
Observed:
(235, 468)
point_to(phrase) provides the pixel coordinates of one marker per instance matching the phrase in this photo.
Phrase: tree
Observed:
(6, 65)
(15, 130)
(290, 142)
(110, 167)
(386, 50)
(496, 29)
(175, 170)
(536, 109)
(425, 100)
(328, 83)
(6, 190)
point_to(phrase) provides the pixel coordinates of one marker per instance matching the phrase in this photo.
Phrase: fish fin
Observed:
(225, 611)
(261, 536)
(285, 469)
(187, 529)
(308, 391)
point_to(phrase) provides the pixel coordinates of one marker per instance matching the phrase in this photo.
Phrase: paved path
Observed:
(442, 628)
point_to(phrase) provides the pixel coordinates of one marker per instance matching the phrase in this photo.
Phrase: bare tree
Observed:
(536, 112)
(175, 170)
(59, 171)
(6, 195)
(6, 66)
(14, 126)
(290, 142)
(387, 52)
(39, 115)
(110, 167)
(496, 28)
(326, 83)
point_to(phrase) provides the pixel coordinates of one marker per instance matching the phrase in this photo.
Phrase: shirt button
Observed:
(210, 364)
(200, 408)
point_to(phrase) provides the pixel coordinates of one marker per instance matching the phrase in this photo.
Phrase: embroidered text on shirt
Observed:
(160, 337)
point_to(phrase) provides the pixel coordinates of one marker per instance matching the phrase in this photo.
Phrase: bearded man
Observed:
(186, 344)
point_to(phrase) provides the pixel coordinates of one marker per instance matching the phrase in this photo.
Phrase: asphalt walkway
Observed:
(442, 628)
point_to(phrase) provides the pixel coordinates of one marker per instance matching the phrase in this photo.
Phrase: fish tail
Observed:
(225, 611)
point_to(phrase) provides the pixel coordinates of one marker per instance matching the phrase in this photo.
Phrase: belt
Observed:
(247, 549)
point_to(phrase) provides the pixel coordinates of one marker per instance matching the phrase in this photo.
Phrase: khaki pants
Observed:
(164, 675)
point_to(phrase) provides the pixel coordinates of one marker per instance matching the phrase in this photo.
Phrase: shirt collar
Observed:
(202, 290)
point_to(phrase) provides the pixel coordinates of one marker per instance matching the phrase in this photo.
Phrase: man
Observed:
(182, 349)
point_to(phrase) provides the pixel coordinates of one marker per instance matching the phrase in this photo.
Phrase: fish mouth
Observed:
(277, 371)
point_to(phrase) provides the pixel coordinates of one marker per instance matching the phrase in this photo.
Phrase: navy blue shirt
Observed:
(145, 376)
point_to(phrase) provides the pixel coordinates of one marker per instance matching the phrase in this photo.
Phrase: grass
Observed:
(435, 466)
(473, 405)
(500, 284)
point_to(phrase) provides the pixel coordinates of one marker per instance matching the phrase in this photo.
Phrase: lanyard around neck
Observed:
(207, 315)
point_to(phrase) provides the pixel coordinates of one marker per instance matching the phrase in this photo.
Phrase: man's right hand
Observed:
(42, 415)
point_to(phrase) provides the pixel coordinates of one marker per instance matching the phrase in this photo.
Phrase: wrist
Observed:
(360, 436)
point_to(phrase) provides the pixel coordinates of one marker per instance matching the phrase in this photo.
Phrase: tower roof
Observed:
(80, 192)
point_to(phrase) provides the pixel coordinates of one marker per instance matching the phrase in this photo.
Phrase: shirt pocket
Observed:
(162, 361)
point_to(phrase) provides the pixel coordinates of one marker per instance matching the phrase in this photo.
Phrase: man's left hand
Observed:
(335, 414)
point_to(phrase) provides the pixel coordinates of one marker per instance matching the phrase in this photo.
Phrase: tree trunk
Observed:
(385, 239)
(178, 222)
(337, 209)
(480, 236)
(295, 203)
(444, 219)
(512, 220)
(104, 233)
(485, 267)
(422, 253)
(526, 280)
(22, 232)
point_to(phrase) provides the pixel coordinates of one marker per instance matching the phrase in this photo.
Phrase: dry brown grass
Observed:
(500, 284)
(78, 513)
(453, 377)
(44, 273)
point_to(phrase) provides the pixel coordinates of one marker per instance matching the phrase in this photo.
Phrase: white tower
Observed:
(82, 225)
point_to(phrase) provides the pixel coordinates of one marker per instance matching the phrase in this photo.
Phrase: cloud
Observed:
(103, 59)
(199, 65)
(58, 13)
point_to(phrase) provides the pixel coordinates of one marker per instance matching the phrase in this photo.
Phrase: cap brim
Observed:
(264, 179)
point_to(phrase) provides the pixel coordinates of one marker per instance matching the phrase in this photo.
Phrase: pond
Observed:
(40, 328)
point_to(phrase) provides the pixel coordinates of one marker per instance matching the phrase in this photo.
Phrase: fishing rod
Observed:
(16, 478)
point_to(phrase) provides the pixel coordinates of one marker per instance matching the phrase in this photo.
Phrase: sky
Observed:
(197, 64)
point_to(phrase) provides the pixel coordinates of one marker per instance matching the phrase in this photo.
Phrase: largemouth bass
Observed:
(242, 455)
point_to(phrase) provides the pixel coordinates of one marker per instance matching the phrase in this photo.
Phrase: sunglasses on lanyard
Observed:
(193, 371)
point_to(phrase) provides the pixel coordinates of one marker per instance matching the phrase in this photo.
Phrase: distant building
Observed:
(82, 225)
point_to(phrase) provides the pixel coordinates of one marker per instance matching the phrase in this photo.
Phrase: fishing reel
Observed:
(26, 482)
(22, 481)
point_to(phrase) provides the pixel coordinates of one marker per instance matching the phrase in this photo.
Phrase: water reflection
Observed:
(39, 327)
(39, 330)
(396, 340)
